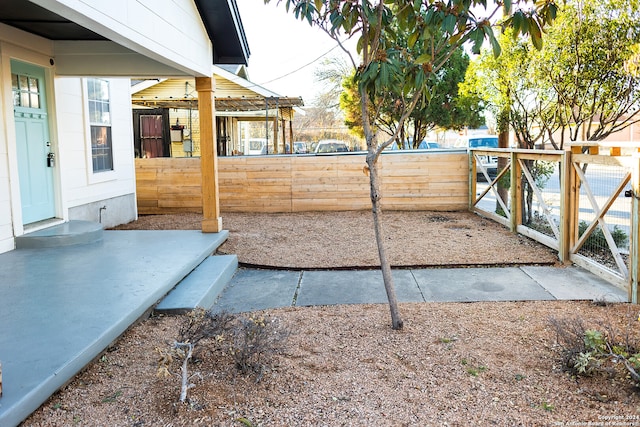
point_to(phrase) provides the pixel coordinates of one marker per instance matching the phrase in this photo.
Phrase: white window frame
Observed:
(100, 175)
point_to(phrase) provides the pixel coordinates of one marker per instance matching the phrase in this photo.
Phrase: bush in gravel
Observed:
(596, 240)
(253, 340)
(250, 341)
(586, 351)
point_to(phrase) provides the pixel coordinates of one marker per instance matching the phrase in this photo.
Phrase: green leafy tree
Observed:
(516, 99)
(350, 105)
(578, 87)
(586, 63)
(440, 27)
(444, 107)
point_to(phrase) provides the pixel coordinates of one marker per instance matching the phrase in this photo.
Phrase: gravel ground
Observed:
(346, 239)
(453, 364)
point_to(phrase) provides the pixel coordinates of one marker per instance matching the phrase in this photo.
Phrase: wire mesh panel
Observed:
(492, 180)
(579, 204)
(541, 197)
(604, 215)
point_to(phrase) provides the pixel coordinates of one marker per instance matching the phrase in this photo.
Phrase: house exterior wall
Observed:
(6, 225)
(85, 192)
(79, 193)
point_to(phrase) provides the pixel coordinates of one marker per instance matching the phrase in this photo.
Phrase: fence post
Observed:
(567, 212)
(516, 192)
(634, 236)
(472, 181)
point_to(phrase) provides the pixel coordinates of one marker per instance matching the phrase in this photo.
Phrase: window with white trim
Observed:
(100, 124)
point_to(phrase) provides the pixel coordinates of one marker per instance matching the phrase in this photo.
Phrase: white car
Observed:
(300, 147)
(490, 163)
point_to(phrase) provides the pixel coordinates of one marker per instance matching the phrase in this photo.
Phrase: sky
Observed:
(284, 51)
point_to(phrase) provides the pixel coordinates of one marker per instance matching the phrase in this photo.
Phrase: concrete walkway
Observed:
(254, 289)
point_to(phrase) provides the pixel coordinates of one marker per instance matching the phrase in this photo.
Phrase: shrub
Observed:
(596, 240)
(253, 340)
(250, 341)
(586, 351)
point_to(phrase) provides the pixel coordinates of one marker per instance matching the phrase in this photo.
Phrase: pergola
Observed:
(235, 97)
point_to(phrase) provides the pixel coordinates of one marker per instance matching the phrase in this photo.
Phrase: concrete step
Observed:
(65, 234)
(201, 287)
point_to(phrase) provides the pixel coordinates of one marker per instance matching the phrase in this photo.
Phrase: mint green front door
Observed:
(35, 165)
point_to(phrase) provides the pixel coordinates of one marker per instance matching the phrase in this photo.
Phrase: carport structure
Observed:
(237, 100)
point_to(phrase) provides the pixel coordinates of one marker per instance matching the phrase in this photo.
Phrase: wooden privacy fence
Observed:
(427, 180)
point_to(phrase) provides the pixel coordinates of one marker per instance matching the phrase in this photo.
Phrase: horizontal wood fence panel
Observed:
(415, 181)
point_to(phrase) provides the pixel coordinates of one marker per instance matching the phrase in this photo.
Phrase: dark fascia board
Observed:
(224, 26)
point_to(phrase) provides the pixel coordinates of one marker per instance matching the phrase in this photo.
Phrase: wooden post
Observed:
(276, 142)
(634, 239)
(573, 204)
(211, 220)
(516, 193)
(566, 206)
(284, 138)
(291, 131)
(473, 184)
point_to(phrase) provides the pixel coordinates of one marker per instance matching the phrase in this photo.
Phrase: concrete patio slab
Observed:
(479, 284)
(354, 287)
(201, 287)
(573, 283)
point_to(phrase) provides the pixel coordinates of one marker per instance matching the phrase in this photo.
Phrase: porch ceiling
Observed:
(37, 20)
(225, 104)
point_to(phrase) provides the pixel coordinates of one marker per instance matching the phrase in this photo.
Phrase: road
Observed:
(603, 180)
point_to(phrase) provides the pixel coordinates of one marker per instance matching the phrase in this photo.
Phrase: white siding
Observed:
(80, 186)
(79, 192)
(168, 31)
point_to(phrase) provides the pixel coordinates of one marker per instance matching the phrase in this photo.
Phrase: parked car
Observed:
(428, 145)
(490, 163)
(300, 147)
(331, 146)
(395, 146)
(408, 145)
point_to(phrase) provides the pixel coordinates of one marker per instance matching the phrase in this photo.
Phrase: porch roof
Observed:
(66, 22)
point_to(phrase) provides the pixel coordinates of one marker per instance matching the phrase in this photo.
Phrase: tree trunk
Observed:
(374, 183)
(389, 286)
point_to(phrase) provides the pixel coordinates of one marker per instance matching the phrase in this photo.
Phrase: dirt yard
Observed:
(452, 365)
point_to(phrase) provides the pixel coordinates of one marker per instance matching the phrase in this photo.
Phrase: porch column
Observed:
(211, 220)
